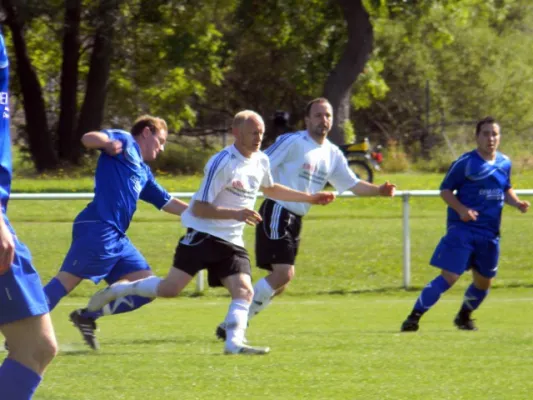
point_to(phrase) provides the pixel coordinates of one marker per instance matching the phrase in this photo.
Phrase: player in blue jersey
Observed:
(100, 248)
(24, 318)
(482, 184)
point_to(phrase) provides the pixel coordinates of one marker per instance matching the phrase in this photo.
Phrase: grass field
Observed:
(334, 334)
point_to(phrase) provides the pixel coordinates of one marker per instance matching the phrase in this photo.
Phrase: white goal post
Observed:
(405, 195)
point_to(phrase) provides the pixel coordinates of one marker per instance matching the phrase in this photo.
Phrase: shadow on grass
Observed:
(147, 341)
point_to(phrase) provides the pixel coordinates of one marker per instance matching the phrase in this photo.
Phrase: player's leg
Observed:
(90, 256)
(95, 251)
(276, 247)
(130, 267)
(60, 286)
(229, 265)
(187, 262)
(485, 267)
(236, 321)
(32, 346)
(264, 291)
(26, 325)
(452, 255)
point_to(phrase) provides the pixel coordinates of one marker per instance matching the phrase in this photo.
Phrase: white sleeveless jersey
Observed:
(231, 181)
(297, 161)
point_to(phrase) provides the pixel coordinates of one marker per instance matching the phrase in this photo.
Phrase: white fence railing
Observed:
(405, 195)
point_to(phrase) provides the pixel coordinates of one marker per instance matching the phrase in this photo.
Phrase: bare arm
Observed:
(284, 193)
(364, 188)
(175, 206)
(206, 210)
(512, 199)
(99, 140)
(464, 212)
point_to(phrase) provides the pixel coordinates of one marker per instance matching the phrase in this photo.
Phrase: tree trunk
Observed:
(66, 130)
(356, 54)
(92, 110)
(39, 137)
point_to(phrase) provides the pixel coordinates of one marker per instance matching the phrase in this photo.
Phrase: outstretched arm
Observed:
(512, 199)
(175, 206)
(99, 140)
(364, 188)
(284, 193)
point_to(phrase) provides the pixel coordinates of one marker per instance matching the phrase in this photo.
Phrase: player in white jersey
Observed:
(304, 161)
(215, 222)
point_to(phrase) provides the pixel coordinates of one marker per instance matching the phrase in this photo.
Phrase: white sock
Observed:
(146, 287)
(263, 293)
(236, 322)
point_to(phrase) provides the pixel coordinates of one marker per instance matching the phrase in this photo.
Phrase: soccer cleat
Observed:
(221, 331)
(410, 325)
(101, 298)
(464, 323)
(86, 326)
(246, 349)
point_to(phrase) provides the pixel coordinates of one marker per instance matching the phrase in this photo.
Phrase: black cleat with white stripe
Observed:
(86, 326)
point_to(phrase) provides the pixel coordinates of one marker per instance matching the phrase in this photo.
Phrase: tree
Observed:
(337, 88)
(68, 142)
(92, 111)
(39, 137)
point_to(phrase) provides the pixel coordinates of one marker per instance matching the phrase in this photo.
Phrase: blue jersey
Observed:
(5, 137)
(480, 186)
(120, 181)
(21, 292)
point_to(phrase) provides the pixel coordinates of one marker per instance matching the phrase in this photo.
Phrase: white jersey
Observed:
(231, 181)
(297, 161)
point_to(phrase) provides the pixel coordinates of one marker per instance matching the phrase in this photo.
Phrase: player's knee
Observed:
(283, 274)
(45, 352)
(242, 292)
(450, 277)
(246, 293)
(291, 272)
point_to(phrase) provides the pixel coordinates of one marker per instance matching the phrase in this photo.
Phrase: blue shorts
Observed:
(98, 251)
(21, 290)
(462, 249)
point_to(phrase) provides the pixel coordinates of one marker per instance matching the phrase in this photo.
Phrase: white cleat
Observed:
(101, 298)
(246, 349)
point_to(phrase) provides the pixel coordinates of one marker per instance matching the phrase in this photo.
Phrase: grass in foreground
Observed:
(323, 347)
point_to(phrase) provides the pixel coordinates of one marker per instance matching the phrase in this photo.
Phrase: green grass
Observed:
(334, 334)
(323, 347)
(71, 184)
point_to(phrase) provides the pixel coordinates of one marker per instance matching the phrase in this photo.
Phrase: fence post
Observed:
(406, 242)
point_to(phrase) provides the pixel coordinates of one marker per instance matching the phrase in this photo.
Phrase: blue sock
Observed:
(431, 294)
(54, 291)
(119, 306)
(17, 382)
(473, 298)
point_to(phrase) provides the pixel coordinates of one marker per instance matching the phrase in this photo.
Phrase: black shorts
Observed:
(277, 237)
(199, 250)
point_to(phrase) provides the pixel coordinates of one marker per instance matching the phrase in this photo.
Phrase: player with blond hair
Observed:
(100, 248)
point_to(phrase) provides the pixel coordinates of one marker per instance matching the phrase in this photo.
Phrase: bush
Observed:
(183, 158)
(395, 159)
